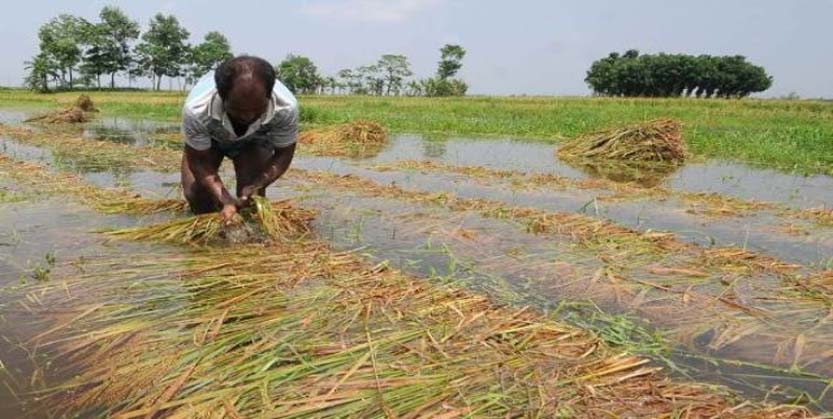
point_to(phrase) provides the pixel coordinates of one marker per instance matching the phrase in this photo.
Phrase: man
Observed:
(243, 113)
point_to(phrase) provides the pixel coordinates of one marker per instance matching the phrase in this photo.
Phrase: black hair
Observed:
(227, 72)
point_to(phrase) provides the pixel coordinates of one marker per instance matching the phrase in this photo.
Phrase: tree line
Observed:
(74, 52)
(674, 75)
(387, 76)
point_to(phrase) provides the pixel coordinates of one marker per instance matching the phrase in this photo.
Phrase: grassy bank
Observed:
(790, 135)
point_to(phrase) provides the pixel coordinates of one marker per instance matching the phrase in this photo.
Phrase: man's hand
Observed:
(246, 195)
(227, 213)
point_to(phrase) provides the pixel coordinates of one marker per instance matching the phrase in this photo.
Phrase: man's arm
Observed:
(277, 167)
(204, 165)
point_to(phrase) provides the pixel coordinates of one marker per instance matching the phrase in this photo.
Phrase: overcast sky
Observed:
(537, 47)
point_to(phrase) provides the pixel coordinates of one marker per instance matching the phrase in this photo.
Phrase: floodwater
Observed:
(488, 256)
(723, 177)
(41, 239)
(751, 232)
(127, 131)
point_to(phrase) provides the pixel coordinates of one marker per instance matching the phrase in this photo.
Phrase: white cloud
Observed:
(385, 11)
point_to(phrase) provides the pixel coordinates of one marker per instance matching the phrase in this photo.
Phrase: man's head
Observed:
(245, 84)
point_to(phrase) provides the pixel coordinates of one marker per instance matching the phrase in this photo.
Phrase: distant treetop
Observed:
(672, 75)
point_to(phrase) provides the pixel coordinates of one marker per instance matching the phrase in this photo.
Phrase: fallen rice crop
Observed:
(354, 139)
(108, 201)
(622, 247)
(267, 221)
(658, 141)
(77, 113)
(68, 146)
(295, 330)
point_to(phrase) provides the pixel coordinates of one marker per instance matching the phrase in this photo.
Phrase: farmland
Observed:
(460, 270)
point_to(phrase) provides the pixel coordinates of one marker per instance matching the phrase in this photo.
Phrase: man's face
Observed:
(247, 101)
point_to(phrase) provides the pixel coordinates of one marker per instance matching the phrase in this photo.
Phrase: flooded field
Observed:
(718, 272)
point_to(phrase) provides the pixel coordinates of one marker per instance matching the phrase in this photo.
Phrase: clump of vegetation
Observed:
(85, 104)
(353, 139)
(295, 330)
(671, 75)
(657, 141)
(71, 115)
(275, 221)
(75, 114)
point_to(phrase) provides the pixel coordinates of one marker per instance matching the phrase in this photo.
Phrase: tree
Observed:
(451, 60)
(206, 56)
(118, 32)
(299, 74)
(395, 68)
(437, 87)
(61, 40)
(414, 88)
(672, 75)
(100, 55)
(41, 70)
(371, 80)
(347, 80)
(163, 50)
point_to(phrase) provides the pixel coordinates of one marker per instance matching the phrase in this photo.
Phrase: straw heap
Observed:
(276, 221)
(354, 139)
(654, 141)
(77, 113)
(85, 103)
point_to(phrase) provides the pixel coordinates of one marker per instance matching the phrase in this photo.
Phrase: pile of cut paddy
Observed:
(77, 113)
(359, 138)
(267, 221)
(295, 330)
(85, 103)
(657, 141)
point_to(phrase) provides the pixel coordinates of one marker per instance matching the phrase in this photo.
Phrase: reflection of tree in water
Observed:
(434, 147)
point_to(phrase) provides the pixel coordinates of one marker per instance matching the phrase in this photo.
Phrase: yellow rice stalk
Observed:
(653, 141)
(353, 139)
(69, 145)
(295, 330)
(77, 113)
(105, 200)
(277, 221)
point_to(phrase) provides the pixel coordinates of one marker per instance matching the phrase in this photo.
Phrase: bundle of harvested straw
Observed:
(267, 221)
(85, 104)
(653, 141)
(71, 115)
(353, 139)
(77, 113)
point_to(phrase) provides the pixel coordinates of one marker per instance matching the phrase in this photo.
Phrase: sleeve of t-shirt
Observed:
(285, 131)
(195, 133)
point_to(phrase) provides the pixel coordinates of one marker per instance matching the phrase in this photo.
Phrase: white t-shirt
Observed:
(204, 118)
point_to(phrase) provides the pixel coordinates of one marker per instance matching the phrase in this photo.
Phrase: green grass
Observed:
(790, 135)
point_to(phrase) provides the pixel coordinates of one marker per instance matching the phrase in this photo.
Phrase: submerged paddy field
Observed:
(790, 135)
(449, 272)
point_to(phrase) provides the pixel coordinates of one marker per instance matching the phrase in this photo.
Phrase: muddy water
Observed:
(728, 178)
(714, 176)
(751, 232)
(127, 131)
(40, 241)
(490, 256)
